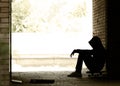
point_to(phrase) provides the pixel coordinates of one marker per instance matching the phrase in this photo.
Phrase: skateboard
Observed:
(95, 74)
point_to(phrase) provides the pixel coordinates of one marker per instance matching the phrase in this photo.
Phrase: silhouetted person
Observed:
(94, 59)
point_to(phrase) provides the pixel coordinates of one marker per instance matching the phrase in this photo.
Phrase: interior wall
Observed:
(106, 26)
(99, 20)
(113, 17)
(4, 42)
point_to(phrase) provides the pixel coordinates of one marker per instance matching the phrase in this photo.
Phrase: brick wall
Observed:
(4, 42)
(99, 19)
(106, 26)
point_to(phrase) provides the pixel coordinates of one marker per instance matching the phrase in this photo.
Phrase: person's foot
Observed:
(75, 74)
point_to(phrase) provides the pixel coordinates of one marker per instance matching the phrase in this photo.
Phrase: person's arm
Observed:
(90, 52)
(74, 51)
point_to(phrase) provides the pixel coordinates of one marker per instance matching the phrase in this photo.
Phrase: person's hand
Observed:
(74, 51)
(71, 54)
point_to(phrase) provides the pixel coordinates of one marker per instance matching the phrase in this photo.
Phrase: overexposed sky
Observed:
(61, 27)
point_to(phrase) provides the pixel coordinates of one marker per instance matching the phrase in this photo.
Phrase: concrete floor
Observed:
(54, 69)
(60, 79)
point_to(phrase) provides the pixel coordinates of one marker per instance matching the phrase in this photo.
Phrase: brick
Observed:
(4, 20)
(4, 25)
(4, 4)
(2, 15)
(3, 36)
(4, 9)
(4, 83)
(4, 30)
(6, 0)
(4, 40)
(6, 70)
(4, 49)
(5, 77)
(4, 57)
(4, 62)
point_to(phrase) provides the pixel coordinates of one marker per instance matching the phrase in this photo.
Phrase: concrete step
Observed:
(45, 61)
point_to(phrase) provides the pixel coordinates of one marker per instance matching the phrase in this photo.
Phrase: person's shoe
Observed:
(75, 74)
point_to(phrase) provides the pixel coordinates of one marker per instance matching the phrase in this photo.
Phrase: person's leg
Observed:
(85, 55)
(79, 63)
(92, 64)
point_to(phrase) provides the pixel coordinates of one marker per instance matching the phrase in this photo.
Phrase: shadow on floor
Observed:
(59, 78)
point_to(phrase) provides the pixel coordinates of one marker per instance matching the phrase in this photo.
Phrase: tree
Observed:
(39, 16)
(20, 10)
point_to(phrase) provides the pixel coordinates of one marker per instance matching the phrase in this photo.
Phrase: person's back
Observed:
(98, 53)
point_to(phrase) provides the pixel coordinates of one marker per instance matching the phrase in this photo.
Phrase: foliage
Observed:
(20, 10)
(39, 17)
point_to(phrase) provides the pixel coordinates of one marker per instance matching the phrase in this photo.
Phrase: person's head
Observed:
(96, 43)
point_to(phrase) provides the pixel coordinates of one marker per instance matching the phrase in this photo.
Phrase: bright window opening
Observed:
(50, 28)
